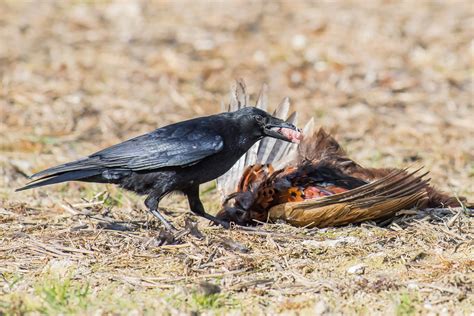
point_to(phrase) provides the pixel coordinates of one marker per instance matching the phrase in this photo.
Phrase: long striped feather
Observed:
(377, 200)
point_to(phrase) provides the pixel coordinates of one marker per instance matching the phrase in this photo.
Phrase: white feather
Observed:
(268, 150)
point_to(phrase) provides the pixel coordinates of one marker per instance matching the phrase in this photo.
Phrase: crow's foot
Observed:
(216, 221)
(164, 221)
(175, 237)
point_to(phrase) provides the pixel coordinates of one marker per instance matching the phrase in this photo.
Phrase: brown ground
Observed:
(392, 81)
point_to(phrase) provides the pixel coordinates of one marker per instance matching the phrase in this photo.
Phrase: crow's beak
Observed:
(283, 130)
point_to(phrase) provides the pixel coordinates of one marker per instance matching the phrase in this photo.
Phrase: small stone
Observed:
(357, 269)
(206, 289)
(412, 286)
(260, 57)
(428, 305)
(320, 308)
(299, 41)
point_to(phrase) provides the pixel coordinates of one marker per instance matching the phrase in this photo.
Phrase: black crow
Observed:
(177, 157)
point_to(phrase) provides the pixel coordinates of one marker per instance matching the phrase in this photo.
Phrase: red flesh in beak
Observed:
(292, 135)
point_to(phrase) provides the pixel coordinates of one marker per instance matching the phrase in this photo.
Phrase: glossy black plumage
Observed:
(177, 157)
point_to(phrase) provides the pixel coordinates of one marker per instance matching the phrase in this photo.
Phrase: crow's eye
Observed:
(258, 118)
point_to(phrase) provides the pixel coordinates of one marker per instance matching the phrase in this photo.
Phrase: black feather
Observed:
(177, 157)
(62, 177)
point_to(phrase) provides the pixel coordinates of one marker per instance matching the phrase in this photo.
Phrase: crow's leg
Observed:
(197, 208)
(163, 220)
(152, 202)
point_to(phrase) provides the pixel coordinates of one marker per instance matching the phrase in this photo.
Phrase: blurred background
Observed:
(392, 81)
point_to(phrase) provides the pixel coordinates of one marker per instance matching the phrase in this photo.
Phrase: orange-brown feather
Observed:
(322, 168)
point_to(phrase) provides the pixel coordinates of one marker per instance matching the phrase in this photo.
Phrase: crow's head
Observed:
(263, 124)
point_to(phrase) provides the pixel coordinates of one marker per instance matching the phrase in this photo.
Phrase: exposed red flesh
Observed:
(292, 135)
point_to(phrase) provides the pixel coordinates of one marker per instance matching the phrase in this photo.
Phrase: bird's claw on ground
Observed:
(223, 224)
(175, 236)
(217, 221)
(193, 229)
(163, 220)
(166, 237)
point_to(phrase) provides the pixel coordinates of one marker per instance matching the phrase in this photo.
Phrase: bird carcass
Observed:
(315, 183)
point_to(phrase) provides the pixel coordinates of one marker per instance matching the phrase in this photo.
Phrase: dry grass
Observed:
(392, 81)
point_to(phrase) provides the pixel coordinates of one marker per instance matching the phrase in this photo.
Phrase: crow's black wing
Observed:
(170, 146)
(174, 145)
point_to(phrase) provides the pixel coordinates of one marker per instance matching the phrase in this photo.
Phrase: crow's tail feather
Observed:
(77, 165)
(61, 177)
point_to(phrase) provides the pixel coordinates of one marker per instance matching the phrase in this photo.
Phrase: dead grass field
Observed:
(393, 81)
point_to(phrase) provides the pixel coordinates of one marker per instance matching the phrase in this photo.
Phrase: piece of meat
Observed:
(294, 136)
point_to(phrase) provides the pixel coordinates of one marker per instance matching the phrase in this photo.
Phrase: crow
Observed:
(178, 157)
